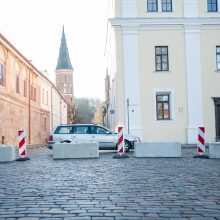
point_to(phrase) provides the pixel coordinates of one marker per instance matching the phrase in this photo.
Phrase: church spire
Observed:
(64, 59)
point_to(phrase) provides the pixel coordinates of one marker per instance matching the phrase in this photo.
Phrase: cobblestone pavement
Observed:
(107, 188)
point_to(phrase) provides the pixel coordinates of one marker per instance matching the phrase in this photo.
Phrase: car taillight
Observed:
(51, 138)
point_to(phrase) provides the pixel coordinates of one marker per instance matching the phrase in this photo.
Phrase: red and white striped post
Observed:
(22, 146)
(121, 147)
(201, 140)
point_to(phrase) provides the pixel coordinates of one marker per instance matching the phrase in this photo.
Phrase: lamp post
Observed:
(128, 115)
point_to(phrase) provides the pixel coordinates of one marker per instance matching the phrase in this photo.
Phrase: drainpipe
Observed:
(29, 108)
(51, 106)
(60, 111)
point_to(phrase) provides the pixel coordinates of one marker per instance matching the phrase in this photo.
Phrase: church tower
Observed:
(64, 78)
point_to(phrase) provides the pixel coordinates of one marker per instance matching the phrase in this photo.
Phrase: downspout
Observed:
(60, 111)
(29, 108)
(51, 106)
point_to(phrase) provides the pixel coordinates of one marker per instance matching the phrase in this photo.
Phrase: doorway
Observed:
(217, 118)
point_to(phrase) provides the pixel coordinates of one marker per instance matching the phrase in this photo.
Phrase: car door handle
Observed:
(93, 136)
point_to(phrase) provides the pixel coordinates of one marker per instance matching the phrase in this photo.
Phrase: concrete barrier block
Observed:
(214, 150)
(164, 149)
(7, 153)
(75, 150)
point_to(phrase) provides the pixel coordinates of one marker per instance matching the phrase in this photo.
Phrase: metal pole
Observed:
(128, 116)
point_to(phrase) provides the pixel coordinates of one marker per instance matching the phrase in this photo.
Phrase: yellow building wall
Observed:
(211, 79)
(203, 10)
(174, 79)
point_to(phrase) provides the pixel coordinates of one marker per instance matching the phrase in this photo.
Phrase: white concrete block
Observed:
(165, 149)
(7, 153)
(75, 150)
(214, 150)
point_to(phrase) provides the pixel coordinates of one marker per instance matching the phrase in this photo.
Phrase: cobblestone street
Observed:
(108, 189)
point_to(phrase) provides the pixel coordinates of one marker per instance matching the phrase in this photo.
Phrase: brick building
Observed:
(28, 99)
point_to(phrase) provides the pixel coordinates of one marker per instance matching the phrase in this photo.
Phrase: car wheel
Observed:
(127, 145)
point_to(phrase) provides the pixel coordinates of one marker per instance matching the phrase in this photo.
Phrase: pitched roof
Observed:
(64, 59)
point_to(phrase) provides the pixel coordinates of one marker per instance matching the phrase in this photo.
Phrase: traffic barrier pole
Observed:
(121, 147)
(201, 140)
(201, 143)
(22, 151)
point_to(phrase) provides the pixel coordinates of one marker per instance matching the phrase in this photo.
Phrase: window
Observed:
(212, 6)
(43, 97)
(81, 130)
(218, 58)
(64, 130)
(2, 75)
(166, 5)
(152, 5)
(25, 88)
(45, 124)
(163, 106)
(161, 58)
(98, 130)
(33, 93)
(17, 84)
(47, 98)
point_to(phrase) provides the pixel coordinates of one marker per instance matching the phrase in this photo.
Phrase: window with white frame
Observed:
(161, 58)
(163, 106)
(166, 5)
(218, 58)
(152, 5)
(159, 5)
(212, 5)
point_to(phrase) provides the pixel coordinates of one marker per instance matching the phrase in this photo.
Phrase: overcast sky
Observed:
(34, 27)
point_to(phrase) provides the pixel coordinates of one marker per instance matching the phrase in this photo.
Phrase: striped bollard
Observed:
(121, 147)
(22, 146)
(201, 143)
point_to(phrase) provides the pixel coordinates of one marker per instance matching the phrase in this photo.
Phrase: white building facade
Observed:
(163, 60)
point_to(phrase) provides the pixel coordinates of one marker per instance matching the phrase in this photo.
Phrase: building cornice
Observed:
(164, 23)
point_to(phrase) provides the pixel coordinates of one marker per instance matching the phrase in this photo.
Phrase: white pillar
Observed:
(194, 82)
(131, 81)
(191, 9)
(129, 8)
